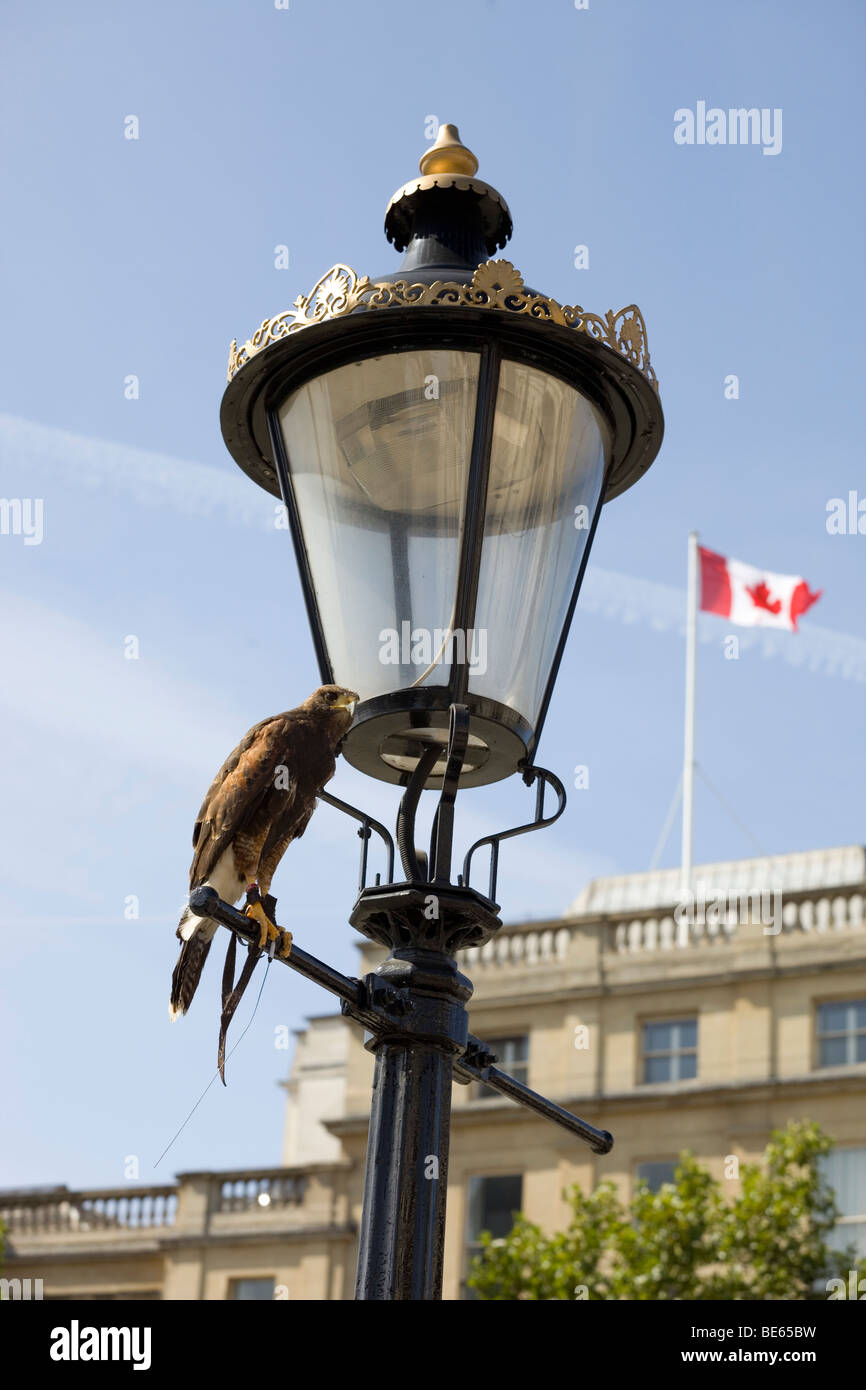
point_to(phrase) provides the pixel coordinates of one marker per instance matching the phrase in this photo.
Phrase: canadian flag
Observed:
(752, 597)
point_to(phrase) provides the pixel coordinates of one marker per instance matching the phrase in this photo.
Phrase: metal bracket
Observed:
(437, 869)
(416, 866)
(442, 834)
(530, 775)
(380, 996)
(479, 1057)
(412, 866)
(367, 825)
(476, 1065)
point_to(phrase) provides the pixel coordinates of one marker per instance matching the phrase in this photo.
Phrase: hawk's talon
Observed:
(269, 931)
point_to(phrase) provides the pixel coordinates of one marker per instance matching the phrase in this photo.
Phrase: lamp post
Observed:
(443, 439)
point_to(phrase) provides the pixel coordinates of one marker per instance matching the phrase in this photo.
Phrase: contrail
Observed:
(200, 489)
(662, 607)
(196, 489)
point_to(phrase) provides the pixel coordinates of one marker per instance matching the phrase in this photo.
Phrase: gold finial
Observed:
(448, 155)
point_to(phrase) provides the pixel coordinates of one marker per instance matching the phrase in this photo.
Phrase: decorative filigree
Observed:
(495, 285)
(339, 291)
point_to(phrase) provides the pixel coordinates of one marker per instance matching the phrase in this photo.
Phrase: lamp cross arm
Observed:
(475, 1065)
(206, 902)
(379, 1005)
(372, 1002)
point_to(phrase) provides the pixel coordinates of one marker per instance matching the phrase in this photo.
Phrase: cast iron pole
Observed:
(403, 1225)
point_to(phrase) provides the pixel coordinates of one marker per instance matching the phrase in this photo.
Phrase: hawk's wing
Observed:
(316, 768)
(235, 792)
(280, 836)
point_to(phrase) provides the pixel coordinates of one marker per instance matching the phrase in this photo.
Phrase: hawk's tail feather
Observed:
(187, 972)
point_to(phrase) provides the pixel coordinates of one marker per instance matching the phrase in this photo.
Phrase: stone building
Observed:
(701, 1023)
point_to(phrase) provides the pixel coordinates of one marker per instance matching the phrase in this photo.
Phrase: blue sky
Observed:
(261, 127)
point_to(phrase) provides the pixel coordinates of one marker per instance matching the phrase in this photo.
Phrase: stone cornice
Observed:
(63, 1251)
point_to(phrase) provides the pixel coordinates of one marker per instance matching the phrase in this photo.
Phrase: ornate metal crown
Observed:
(494, 285)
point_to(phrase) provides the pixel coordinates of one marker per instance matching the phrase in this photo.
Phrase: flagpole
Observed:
(689, 736)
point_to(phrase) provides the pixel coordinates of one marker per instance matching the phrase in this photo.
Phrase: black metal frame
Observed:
(287, 493)
(469, 563)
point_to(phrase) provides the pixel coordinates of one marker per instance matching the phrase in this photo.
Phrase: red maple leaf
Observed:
(802, 600)
(760, 597)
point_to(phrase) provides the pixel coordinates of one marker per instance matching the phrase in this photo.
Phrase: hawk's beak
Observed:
(347, 701)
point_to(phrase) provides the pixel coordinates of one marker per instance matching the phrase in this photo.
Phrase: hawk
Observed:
(259, 802)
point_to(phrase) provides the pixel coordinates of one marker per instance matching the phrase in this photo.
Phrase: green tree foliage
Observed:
(685, 1241)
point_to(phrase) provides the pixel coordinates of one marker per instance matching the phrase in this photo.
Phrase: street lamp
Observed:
(443, 440)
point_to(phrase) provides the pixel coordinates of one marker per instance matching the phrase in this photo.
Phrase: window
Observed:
(845, 1171)
(513, 1054)
(657, 1173)
(842, 1033)
(493, 1204)
(670, 1050)
(251, 1288)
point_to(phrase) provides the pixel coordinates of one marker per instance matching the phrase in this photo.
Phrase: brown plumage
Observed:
(259, 802)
